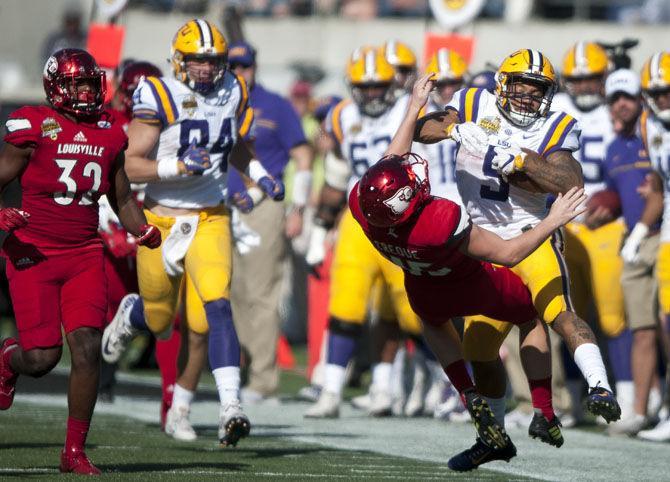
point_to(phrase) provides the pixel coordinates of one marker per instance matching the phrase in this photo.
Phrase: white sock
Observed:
(381, 376)
(182, 397)
(333, 378)
(655, 400)
(590, 362)
(625, 395)
(397, 377)
(497, 406)
(227, 383)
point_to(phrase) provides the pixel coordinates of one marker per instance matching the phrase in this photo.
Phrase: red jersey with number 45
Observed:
(426, 246)
(67, 172)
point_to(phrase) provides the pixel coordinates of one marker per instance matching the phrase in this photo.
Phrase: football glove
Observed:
(242, 201)
(117, 241)
(195, 159)
(630, 252)
(470, 136)
(316, 252)
(150, 236)
(507, 163)
(272, 187)
(12, 218)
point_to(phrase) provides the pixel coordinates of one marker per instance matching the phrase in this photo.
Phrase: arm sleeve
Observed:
(563, 135)
(456, 103)
(23, 128)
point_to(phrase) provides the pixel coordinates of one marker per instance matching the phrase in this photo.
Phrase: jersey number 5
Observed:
(91, 169)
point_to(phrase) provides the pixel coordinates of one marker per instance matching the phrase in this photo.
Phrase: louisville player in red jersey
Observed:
(65, 156)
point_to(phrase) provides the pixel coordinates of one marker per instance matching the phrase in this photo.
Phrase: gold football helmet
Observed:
(585, 67)
(371, 81)
(448, 69)
(199, 40)
(655, 80)
(525, 67)
(403, 60)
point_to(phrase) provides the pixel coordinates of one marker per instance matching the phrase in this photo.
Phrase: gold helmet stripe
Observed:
(392, 52)
(443, 64)
(370, 64)
(655, 68)
(580, 55)
(205, 33)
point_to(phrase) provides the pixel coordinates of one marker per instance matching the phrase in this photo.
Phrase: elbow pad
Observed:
(337, 172)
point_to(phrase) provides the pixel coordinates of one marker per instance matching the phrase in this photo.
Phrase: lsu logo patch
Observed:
(399, 202)
(50, 128)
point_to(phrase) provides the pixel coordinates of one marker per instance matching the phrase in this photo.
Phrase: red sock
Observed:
(459, 376)
(77, 430)
(540, 394)
(167, 352)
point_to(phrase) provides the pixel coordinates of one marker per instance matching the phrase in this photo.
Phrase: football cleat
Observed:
(327, 406)
(660, 433)
(488, 428)
(310, 393)
(7, 376)
(119, 332)
(233, 424)
(361, 402)
(75, 461)
(601, 401)
(548, 432)
(381, 403)
(630, 425)
(178, 426)
(479, 454)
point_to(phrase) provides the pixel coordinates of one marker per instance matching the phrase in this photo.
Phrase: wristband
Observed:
(256, 194)
(302, 185)
(255, 170)
(168, 168)
(639, 232)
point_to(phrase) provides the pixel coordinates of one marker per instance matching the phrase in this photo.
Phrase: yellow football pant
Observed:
(545, 274)
(357, 265)
(663, 273)
(595, 273)
(207, 265)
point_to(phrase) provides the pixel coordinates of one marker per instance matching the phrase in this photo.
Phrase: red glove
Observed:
(150, 236)
(117, 242)
(12, 218)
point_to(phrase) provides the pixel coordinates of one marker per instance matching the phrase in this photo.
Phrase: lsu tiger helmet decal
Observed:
(585, 66)
(448, 69)
(200, 41)
(525, 86)
(371, 80)
(403, 60)
(655, 83)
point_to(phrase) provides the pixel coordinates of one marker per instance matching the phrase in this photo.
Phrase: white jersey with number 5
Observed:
(656, 138)
(597, 133)
(363, 140)
(492, 202)
(213, 121)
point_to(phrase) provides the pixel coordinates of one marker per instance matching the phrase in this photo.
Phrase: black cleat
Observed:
(601, 401)
(479, 454)
(488, 429)
(548, 432)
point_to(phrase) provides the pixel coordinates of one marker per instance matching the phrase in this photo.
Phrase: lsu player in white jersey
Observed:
(186, 130)
(655, 132)
(509, 140)
(593, 241)
(362, 128)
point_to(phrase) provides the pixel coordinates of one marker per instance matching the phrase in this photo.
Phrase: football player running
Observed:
(65, 156)
(513, 152)
(195, 121)
(444, 256)
(655, 131)
(593, 241)
(362, 130)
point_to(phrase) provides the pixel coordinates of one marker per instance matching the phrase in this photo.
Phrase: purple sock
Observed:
(619, 348)
(137, 316)
(340, 348)
(224, 346)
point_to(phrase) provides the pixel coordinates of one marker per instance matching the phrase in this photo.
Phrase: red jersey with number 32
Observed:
(426, 245)
(69, 169)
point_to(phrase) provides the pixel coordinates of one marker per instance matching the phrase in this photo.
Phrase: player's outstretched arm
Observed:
(556, 173)
(485, 245)
(433, 127)
(142, 138)
(242, 159)
(12, 161)
(402, 140)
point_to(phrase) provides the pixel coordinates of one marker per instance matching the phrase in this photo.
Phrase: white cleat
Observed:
(517, 418)
(361, 402)
(630, 425)
(660, 433)
(178, 426)
(119, 332)
(381, 403)
(233, 424)
(310, 393)
(327, 406)
(434, 397)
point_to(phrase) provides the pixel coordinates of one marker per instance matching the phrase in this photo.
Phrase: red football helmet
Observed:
(131, 75)
(64, 73)
(392, 190)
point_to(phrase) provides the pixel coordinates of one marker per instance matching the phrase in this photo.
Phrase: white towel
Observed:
(176, 244)
(246, 239)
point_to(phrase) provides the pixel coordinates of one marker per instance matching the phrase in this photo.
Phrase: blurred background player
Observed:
(655, 131)
(257, 270)
(625, 168)
(56, 267)
(403, 60)
(196, 120)
(362, 130)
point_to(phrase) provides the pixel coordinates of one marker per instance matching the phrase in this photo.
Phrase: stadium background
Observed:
(325, 41)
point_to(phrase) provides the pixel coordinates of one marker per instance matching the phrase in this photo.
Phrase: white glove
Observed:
(507, 162)
(630, 252)
(470, 136)
(316, 252)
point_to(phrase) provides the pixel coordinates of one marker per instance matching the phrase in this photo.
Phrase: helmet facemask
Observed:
(662, 112)
(436, 95)
(205, 71)
(586, 92)
(517, 104)
(71, 95)
(374, 99)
